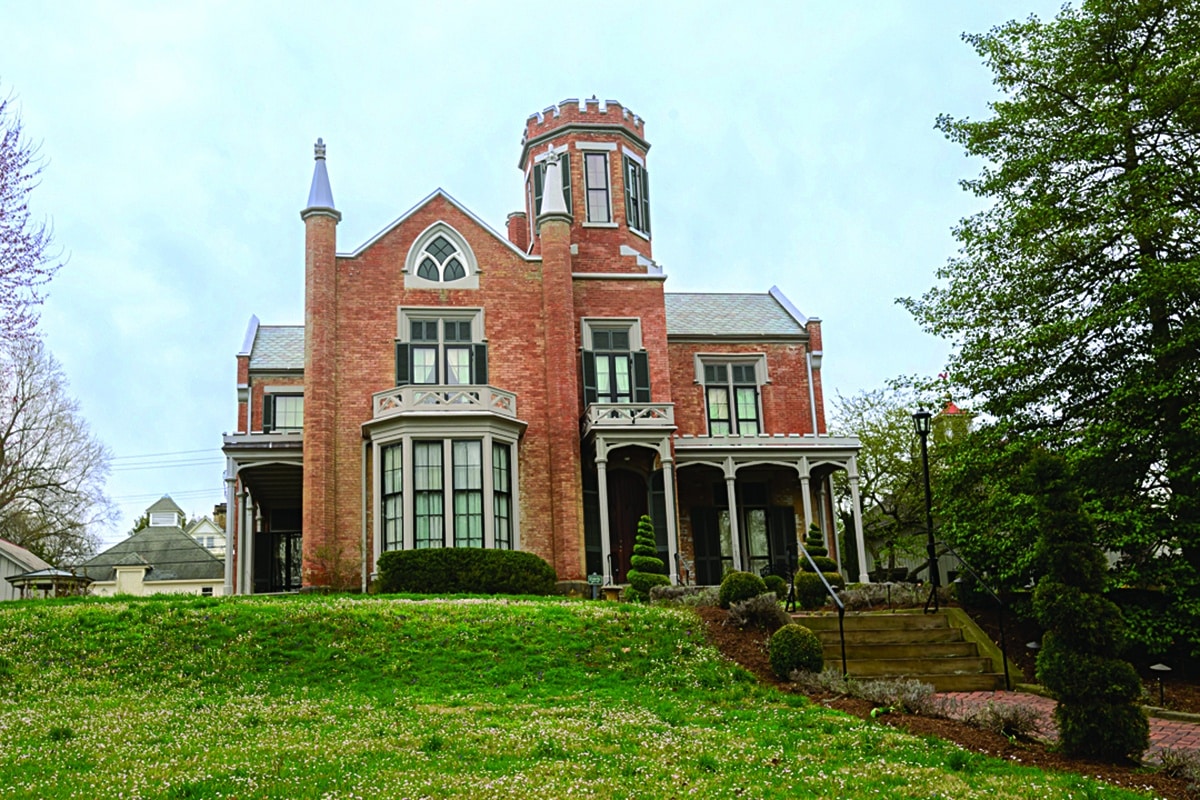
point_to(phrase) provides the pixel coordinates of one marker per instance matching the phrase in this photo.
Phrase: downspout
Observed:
(812, 392)
(366, 451)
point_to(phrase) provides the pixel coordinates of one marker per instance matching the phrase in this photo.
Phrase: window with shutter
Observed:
(731, 396)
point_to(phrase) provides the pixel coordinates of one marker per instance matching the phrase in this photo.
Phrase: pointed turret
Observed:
(320, 196)
(553, 201)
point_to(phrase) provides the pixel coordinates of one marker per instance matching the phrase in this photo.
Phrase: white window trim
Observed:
(700, 360)
(405, 315)
(414, 281)
(633, 156)
(632, 324)
(610, 146)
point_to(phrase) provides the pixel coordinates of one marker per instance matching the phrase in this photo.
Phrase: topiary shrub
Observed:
(814, 545)
(463, 570)
(794, 647)
(810, 591)
(646, 568)
(739, 586)
(1097, 692)
(777, 585)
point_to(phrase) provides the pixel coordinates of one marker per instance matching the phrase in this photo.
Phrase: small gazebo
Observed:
(49, 583)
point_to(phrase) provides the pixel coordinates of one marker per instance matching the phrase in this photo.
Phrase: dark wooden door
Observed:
(627, 501)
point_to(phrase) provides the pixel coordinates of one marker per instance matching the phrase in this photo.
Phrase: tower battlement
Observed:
(582, 112)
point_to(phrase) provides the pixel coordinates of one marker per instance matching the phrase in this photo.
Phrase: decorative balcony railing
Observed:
(419, 399)
(629, 416)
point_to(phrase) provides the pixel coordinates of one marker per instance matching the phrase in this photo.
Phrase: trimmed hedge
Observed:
(810, 591)
(464, 570)
(739, 586)
(776, 584)
(795, 647)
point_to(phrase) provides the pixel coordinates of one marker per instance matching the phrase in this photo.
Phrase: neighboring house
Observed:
(159, 559)
(207, 533)
(16, 560)
(456, 387)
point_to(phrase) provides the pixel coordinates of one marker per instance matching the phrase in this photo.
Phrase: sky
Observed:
(792, 145)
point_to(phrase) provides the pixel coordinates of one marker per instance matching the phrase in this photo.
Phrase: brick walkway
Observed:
(1165, 734)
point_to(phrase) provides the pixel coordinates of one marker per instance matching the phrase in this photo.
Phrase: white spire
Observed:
(552, 195)
(319, 194)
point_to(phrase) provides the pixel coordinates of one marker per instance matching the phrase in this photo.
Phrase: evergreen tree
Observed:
(647, 569)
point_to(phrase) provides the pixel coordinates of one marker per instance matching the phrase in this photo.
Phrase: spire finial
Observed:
(553, 201)
(319, 149)
(320, 196)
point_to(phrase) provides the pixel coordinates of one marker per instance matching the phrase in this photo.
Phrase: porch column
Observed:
(672, 534)
(731, 494)
(602, 477)
(230, 515)
(243, 542)
(806, 495)
(858, 528)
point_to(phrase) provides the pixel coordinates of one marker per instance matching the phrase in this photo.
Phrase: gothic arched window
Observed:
(440, 256)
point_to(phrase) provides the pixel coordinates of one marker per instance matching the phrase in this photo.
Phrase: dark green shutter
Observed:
(658, 516)
(589, 377)
(479, 365)
(630, 200)
(645, 202)
(565, 168)
(268, 420)
(539, 172)
(641, 377)
(403, 361)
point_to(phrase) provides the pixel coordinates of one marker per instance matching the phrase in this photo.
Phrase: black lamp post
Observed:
(923, 421)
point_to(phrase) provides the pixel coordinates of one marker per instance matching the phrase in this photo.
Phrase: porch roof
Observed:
(719, 315)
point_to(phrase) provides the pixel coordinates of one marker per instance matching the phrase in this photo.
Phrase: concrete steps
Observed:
(931, 648)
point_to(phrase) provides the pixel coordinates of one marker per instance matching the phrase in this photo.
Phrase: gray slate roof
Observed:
(171, 554)
(278, 347)
(714, 314)
(165, 504)
(21, 557)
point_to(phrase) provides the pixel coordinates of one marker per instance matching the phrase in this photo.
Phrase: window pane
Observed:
(458, 330)
(468, 493)
(718, 410)
(427, 494)
(424, 364)
(289, 412)
(747, 410)
(596, 178)
(603, 379)
(743, 373)
(756, 532)
(458, 365)
(502, 514)
(440, 248)
(424, 330)
(620, 340)
(391, 460)
(454, 270)
(601, 340)
(428, 270)
(621, 375)
(714, 373)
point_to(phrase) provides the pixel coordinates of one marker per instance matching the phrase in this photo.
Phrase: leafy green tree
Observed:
(1073, 304)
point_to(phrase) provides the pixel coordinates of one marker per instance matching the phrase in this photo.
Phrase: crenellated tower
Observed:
(602, 148)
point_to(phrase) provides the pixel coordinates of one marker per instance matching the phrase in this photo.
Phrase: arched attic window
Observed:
(441, 259)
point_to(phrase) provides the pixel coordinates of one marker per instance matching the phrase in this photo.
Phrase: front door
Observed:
(627, 502)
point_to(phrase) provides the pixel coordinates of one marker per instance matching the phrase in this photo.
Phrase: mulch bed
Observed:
(749, 649)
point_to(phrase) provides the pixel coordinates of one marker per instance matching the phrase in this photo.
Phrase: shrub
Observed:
(459, 570)
(810, 591)
(794, 647)
(738, 586)
(776, 584)
(647, 569)
(763, 612)
(1011, 720)
(685, 595)
(1097, 692)
(814, 542)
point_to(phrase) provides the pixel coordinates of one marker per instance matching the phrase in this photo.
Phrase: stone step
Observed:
(879, 650)
(960, 665)
(861, 621)
(980, 682)
(891, 636)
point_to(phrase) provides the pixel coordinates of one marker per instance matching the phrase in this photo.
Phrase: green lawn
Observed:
(381, 698)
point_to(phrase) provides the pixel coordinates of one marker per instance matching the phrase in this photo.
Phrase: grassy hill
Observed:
(336, 697)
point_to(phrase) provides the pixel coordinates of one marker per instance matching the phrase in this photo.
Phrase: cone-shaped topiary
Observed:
(739, 586)
(1097, 692)
(795, 647)
(814, 545)
(810, 590)
(647, 569)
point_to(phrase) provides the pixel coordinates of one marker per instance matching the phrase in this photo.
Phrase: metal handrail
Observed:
(999, 609)
(841, 607)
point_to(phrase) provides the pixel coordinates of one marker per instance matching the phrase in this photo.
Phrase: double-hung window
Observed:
(731, 397)
(595, 176)
(613, 370)
(283, 412)
(637, 196)
(441, 352)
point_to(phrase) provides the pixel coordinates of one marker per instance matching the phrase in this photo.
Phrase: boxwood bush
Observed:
(739, 586)
(810, 591)
(464, 570)
(795, 647)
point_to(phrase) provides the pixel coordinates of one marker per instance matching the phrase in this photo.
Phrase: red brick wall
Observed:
(642, 299)
(258, 383)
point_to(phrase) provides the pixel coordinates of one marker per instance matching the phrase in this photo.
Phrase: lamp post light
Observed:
(923, 421)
